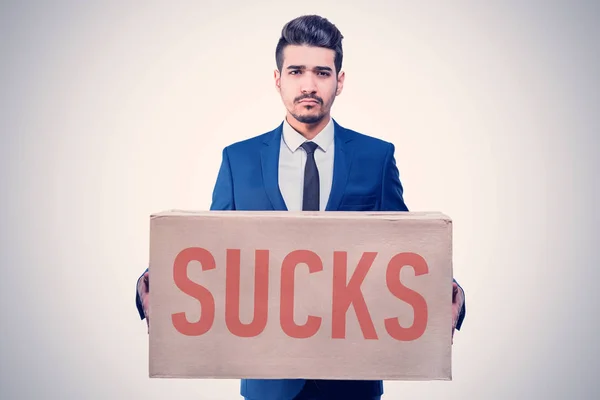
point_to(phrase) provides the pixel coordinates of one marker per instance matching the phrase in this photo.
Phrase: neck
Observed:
(309, 131)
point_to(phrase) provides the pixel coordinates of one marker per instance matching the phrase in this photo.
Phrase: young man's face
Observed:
(308, 83)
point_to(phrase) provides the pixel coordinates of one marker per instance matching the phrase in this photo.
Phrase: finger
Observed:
(142, 284)
(454, 291)
(144, 289)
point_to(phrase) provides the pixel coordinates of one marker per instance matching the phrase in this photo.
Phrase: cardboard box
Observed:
(329, 295)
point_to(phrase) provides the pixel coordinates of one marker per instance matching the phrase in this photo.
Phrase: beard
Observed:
(312, 117)
(309, 119)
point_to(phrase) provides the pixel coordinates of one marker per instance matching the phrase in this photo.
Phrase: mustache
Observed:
(308, 96)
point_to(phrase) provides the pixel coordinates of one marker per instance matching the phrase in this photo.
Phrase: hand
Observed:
(458, 298)
(143, 288)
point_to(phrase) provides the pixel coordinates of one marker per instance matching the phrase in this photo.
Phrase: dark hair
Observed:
(310, 30)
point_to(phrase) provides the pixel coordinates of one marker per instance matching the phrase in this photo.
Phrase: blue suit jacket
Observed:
(365, 178)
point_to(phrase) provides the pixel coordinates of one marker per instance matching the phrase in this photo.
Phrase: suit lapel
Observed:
(269, 157)
(341, 165)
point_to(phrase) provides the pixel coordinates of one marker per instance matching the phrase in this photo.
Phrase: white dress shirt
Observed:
(292, 159)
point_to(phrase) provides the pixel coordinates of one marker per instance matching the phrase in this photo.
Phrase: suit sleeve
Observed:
(463, 310)
(138, 301)
(392, 200)
(222, 198)
(391, 188)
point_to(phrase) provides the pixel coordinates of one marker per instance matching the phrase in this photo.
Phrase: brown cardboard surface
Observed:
(399, 263)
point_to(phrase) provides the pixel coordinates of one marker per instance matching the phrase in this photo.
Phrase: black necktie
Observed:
(310, 198)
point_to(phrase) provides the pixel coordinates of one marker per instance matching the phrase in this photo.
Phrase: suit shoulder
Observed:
(254, 141)
(251, 143)
(369, 142)
(247, 143)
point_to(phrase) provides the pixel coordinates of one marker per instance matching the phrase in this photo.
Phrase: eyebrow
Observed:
(303, 67)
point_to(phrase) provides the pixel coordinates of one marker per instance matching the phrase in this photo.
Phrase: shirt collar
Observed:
(294, 140)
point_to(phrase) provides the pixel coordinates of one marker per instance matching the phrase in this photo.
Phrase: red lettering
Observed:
(346, 294)
(261, 294)
(199, 292)
(408, 295)
(288, 269)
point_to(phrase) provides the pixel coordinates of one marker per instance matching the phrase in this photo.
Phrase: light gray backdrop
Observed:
(110, 111)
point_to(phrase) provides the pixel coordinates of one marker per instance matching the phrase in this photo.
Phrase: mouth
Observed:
(309, 101)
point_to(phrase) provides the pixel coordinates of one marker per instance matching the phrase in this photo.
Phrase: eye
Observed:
(295, 72)
(323, 73)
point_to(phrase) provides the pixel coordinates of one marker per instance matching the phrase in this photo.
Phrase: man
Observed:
(311, 163)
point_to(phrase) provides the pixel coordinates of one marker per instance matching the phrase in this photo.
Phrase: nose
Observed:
(308, 84)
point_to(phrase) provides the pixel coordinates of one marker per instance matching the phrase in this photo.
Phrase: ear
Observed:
(340, 82)
(277, 77)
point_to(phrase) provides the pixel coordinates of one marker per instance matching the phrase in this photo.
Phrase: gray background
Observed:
(110, 111)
